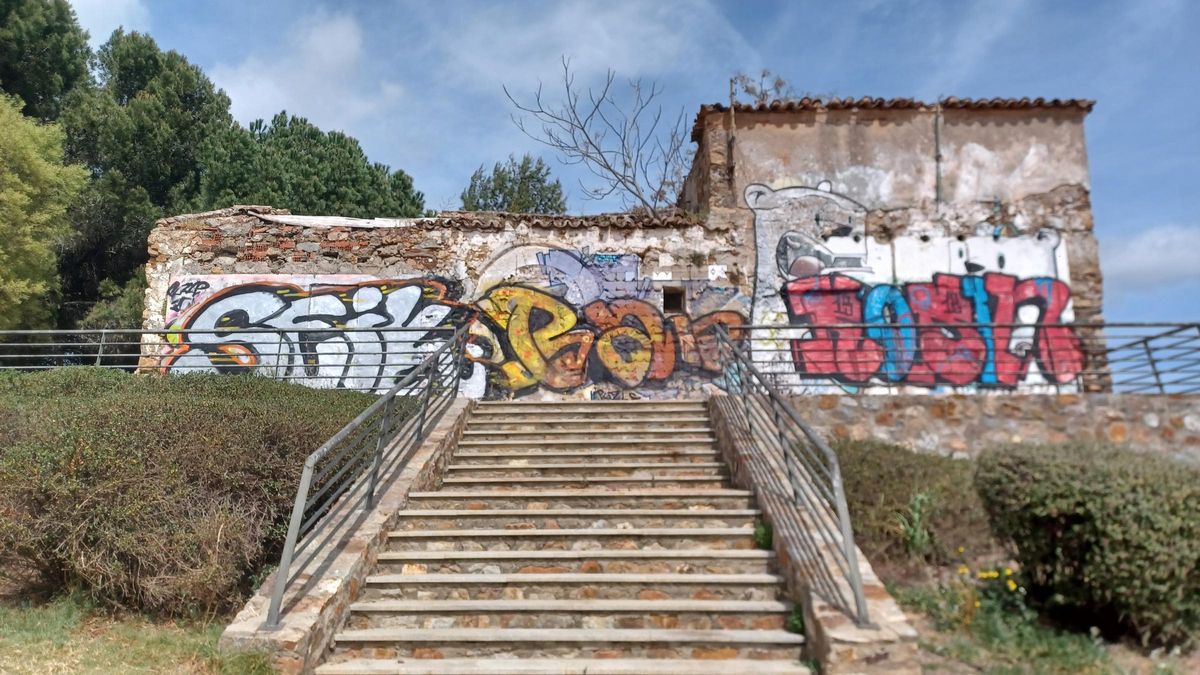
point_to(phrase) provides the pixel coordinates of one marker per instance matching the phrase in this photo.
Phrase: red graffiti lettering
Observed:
(845, 353)
(952, 355)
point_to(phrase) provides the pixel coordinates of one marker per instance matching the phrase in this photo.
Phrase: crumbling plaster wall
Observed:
(1026, 168)
(560, 306)
(884, 216)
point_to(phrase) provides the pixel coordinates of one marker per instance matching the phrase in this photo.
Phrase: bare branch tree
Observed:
(629, 147)
(767, 87)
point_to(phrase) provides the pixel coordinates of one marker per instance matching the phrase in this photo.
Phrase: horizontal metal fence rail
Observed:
(363, 359)
(346, 470)
(1159, 358)
(865, 358)
(815, 518)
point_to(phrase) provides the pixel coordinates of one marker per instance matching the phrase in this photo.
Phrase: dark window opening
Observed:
(673, 301)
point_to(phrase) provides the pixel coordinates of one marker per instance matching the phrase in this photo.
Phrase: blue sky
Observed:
(419, 84)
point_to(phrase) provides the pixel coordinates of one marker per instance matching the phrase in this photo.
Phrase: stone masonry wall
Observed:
(594, 306)
(963, 426)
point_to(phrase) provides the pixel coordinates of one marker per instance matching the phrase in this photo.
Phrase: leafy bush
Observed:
(1102, 531)
(165, 494)
(884, 483)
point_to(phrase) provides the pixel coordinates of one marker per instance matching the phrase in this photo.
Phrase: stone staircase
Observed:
(594, 537)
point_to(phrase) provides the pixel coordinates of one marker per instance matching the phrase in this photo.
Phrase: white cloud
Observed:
(516, 44)
(317, 72)
(101, 17)
(974, 39)
(1156, 256)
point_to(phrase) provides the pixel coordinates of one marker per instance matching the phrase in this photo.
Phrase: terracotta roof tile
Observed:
(868, 103)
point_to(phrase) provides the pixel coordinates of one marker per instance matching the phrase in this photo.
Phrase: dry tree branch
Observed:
(626, 145)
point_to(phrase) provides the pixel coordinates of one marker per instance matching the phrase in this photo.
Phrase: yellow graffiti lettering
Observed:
(540, 332)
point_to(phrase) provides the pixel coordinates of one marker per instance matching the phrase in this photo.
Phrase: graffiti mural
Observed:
(544, 340)
(898, 346)
(818, 266)
(298, 329)
(548, 319)
(580, 276)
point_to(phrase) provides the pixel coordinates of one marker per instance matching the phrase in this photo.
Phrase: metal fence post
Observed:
(425, 397)
(289, 547)
(459, 355)
(385, 428)
(1153, 366)
(100, 349)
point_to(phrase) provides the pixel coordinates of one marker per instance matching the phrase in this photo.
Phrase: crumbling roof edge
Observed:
(869, 103)
(478, 220)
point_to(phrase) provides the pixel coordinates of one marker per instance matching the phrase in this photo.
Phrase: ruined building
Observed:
(879, 217)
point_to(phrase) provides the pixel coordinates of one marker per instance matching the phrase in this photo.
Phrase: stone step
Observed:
(520, 468)
(594, 614)
(631, 435)
(575, 539)
(656, 561)
(582, 422)
(604, 408)
(523, 519)
(474, 457)
(440, 643)
(556, 666)
(641, 479)
(569, 586)
(598, 442)
(646, 498)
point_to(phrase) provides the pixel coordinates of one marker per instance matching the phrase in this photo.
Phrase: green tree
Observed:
(35, 191)
(43, 53)
(291, 163)
(138, 129)
(515, 186)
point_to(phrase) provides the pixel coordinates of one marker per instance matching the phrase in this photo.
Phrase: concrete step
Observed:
(568, 586)
(585, 456)
(557, 666)
(642, 498)
(597, 442)
(524, 519)
(602, 408)
(440, 643)
(548, 420)
(641, 479)
(594, 614)
(537, 437)
(627, 561)
(520, 468)
(574, 539)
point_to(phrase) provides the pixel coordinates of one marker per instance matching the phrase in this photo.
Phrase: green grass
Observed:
(995, 637)
(68, 635)
(764, 536)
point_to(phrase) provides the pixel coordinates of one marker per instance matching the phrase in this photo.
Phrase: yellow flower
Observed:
(962, 569)
(1008, 571)
(961, 550)
(977, 603)
(1012, 585)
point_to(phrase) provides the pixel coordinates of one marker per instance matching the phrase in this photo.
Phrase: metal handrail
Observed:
(1136, 358)
(348, 468)
(1159, 358)
(818, 519)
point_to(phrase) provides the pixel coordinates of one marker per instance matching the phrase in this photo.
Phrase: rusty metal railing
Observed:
(809, 508)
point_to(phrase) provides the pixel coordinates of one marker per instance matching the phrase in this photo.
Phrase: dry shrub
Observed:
(881, 482)
(163, 494)
(1104, 534)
